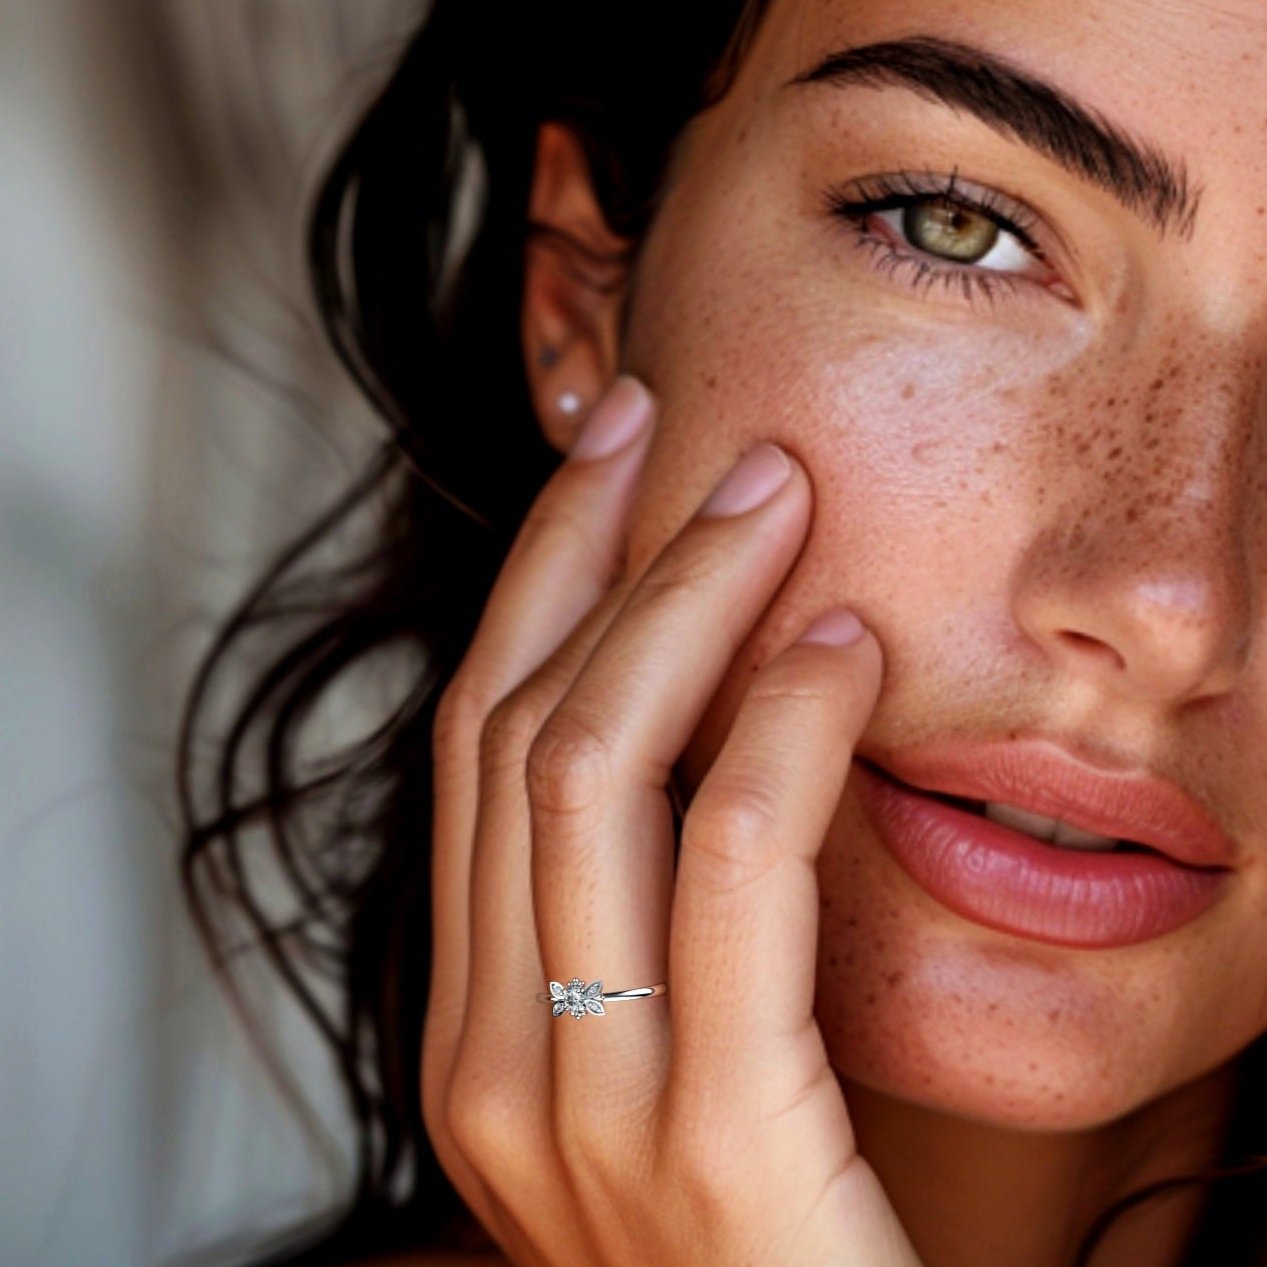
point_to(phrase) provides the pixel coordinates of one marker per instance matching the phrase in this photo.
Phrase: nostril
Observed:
(1085, 644)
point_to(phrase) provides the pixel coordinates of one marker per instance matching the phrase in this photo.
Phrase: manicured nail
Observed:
(839, 628)
(616, 421)
(756, 479)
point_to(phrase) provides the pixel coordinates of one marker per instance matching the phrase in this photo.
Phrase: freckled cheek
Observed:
(914, 441)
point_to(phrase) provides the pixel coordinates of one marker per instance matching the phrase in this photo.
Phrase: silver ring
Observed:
(583, 1000)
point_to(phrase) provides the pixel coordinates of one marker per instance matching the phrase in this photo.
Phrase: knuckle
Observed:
(734, 830)
(483, 1121)
(700, 1171)
(509, 731)
(569, 767)
(678, 574)
(586, 1151)
(604, 1148)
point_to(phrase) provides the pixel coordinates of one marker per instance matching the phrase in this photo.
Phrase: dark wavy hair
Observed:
(417, 241)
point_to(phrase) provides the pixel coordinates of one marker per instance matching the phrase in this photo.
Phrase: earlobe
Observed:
(575, 273)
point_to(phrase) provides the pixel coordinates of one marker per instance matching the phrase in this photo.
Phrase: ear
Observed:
(575, 279)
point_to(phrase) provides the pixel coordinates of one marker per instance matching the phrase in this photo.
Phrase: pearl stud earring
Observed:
(570, 404)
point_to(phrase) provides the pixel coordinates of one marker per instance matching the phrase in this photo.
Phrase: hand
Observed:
(708, 1127)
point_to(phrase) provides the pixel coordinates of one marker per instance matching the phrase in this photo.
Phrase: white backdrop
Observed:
(154, 160)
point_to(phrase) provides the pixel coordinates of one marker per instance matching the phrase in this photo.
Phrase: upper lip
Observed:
(1042, 778)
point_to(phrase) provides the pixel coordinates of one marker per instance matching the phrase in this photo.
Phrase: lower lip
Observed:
(1011, 882)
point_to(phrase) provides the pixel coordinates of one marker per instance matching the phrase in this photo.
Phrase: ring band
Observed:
(582, 1000)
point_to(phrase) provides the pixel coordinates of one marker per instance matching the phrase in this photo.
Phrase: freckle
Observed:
(833, 961)
(895, 978)
(881, 944)
(1033, 1067)
(1054, 1015)
(994, 1007)
(711, 382)
(1132, 515)
(1111, 402)
(1115, 453)
(851, 923)
(989, 1080)
(908, 391)
(870, 1000)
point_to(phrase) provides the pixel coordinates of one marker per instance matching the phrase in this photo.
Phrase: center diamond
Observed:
(578, 998)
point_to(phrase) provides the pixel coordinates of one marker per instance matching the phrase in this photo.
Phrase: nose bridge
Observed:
(1149, 576)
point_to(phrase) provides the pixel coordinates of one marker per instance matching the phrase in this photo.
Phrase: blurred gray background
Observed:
(168, 415)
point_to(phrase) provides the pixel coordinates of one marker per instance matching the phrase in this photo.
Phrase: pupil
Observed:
(953, 232)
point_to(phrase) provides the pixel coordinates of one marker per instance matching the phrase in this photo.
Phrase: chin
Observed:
(1017, 1086)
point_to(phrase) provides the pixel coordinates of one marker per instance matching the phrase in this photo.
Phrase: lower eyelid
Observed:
(920, 274)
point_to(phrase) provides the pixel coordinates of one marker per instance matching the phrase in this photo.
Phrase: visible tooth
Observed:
(1074, 838)
(1049, 829)
(1031, 824)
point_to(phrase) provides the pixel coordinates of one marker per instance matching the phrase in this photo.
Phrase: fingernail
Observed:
(839, 628)
(617, 419)
(756, 479)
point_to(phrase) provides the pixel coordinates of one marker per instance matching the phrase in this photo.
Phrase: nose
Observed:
(1144, 581)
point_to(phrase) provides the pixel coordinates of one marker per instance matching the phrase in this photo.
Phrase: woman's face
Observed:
(1039, 475)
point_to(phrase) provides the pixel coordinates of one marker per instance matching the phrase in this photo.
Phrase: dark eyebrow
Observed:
(1024, 108)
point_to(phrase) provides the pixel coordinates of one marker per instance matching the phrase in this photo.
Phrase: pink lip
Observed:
(1009, 881)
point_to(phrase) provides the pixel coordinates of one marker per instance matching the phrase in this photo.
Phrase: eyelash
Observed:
(858, 201)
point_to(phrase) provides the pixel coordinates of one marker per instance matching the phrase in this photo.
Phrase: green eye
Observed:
(949, 230)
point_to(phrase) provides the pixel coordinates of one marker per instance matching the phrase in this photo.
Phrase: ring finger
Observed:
(602, 839)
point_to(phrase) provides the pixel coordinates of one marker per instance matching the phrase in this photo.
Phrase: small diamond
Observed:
(578, 998)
